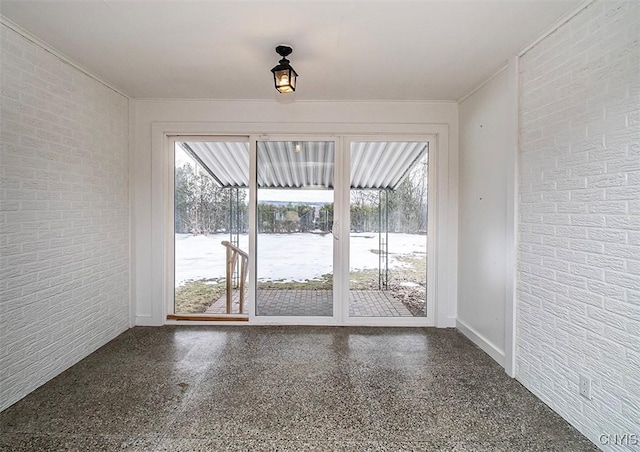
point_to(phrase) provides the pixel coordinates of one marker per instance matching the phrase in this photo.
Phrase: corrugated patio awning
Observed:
(374, 164)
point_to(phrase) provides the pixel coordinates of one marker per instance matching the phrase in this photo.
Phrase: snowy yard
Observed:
(289, 257)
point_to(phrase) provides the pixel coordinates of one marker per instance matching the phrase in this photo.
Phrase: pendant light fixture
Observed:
(284, 76)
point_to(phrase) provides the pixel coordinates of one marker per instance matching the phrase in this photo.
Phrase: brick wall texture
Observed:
(64, 216)
(578, 289)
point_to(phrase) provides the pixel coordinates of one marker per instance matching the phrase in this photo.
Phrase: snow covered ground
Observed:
(287, 257)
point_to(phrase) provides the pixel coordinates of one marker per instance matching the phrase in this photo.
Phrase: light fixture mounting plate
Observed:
(284, 50)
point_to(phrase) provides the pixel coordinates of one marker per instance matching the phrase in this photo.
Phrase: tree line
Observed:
(202, 207)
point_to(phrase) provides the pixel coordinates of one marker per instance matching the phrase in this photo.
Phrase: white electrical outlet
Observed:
(585, 387)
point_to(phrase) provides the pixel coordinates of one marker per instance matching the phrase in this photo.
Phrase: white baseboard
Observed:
(481, 342)
(451, 323)
(146, 320)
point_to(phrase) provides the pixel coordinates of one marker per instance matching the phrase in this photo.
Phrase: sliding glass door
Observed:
(211, 225)
(295, 228)
(302, 230)
(388, 198)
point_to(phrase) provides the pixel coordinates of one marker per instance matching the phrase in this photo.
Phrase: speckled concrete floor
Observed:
(286, 388)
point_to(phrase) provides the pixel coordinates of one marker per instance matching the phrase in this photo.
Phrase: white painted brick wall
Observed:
(578, 309)
(64, 221)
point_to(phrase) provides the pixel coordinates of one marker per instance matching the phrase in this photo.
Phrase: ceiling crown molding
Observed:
(557, 24)
(46, 47)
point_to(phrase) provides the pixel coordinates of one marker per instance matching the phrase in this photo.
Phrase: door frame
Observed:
(445, 284)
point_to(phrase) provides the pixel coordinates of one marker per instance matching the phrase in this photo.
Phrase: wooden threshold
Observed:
(210, 317)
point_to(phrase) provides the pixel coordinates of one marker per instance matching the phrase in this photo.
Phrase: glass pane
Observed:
(211, 207)
(294, 223)
(388, 239)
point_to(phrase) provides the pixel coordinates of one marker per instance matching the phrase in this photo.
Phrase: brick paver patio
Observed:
(274, 302)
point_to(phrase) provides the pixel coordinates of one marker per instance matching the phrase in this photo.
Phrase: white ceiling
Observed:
(347, 50)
